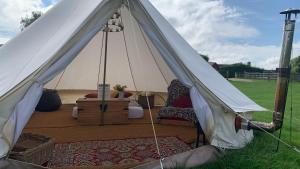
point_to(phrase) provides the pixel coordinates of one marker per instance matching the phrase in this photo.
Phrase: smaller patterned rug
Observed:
(114, 152)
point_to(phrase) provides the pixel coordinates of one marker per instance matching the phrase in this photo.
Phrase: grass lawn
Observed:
(261, 154)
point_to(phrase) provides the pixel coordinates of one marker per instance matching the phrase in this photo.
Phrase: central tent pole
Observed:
(113, 25)
(103, 105)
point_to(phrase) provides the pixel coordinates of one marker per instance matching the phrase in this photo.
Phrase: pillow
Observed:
(91, 95)
(127, 94)
(183, 101)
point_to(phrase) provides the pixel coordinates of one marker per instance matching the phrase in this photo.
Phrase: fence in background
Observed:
(265, 76)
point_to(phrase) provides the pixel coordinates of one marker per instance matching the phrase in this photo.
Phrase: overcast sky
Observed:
(228, 31)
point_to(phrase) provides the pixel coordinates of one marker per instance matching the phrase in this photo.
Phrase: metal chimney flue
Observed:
(284, 67)
(282, 77)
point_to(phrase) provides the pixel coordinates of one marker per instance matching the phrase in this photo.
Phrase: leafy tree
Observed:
(205, 57)
(230, 70)
(295, 64)
(26, 21)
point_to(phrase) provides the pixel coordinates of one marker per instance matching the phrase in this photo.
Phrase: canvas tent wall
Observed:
(48, 46)
(132, 60)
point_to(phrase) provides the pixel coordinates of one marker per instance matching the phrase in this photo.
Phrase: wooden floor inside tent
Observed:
(61, 126)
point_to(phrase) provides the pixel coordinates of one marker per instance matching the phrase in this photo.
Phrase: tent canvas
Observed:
(70, 33)
(132, 60)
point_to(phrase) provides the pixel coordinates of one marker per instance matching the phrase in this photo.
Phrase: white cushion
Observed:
(75, 112)
(135, 112)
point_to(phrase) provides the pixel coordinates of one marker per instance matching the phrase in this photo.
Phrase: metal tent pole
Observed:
(113, 25)
(103, 105)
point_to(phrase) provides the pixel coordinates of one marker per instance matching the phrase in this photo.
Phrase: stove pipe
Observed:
(282, 79)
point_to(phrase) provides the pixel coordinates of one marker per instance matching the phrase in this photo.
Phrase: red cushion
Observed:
(127, 94)
(183, 102)
(91, 95)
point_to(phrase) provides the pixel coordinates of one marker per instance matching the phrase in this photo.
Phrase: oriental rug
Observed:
(114, 152)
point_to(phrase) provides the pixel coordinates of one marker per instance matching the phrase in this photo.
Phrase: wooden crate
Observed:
(89, 112)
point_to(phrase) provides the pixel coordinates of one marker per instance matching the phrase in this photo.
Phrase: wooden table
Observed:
(89, 112)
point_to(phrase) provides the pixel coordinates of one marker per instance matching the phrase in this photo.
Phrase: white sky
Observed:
(206, 24)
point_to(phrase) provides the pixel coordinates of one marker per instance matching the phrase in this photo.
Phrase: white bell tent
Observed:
(64, 50)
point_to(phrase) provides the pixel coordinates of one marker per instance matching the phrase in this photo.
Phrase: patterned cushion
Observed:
(175, 112)
(175, 90)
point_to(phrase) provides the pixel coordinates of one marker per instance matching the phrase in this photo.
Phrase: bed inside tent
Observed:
(129, 44)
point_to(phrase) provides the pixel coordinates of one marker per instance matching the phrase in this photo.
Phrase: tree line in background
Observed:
(295, 65)
(229, 71)
(27, 20)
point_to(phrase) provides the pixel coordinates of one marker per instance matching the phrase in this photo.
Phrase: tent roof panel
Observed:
(32, 48)
(207, 75)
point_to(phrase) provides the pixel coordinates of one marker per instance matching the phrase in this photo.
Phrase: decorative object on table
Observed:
(75, 112)
(120, 90)
(49, 101)
(142, 99)
(135, 111)
(114, 153)
(115, 94)
(106, 91)
(33, 148)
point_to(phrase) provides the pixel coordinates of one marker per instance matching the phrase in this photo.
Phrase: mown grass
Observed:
(261, 153)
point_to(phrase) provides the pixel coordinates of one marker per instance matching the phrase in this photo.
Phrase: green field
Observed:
(261, 153)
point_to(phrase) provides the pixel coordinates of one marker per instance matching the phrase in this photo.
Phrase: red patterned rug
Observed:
(114, 152)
